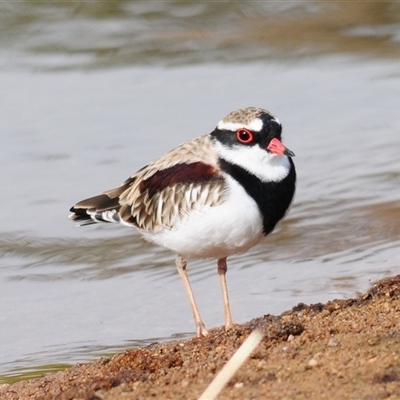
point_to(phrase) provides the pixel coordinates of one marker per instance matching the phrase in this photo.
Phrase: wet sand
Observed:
(345, 349)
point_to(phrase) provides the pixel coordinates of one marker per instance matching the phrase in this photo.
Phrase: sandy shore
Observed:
(345, 349)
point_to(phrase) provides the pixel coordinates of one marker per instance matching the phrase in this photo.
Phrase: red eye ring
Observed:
(244, 136)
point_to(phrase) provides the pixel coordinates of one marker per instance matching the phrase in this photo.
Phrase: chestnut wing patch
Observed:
(179, 173)
(170, 194)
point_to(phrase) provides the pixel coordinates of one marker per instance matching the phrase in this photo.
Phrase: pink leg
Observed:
(222, 268)
(181, 264)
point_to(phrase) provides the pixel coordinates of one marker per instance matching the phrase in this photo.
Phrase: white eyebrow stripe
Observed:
(255, 125)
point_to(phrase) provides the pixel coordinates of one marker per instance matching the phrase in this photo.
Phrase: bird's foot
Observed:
(201, 330)
(229, 325)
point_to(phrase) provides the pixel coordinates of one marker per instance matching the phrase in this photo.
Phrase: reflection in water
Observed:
(358, 232)
(60, 258)
(105, 34)
(77, 353)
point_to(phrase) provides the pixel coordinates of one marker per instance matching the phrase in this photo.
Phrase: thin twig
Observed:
(232, 366)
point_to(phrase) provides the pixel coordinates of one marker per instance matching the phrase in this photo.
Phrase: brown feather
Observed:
(156, 196)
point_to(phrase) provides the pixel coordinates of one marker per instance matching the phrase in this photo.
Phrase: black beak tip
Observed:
(289, 153)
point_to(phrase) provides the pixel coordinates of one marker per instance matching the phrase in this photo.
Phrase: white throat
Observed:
(266, 166)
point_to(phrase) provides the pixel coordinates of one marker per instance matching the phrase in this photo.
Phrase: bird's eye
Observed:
(244, 136)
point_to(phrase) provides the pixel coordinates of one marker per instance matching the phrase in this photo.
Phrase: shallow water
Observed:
(92, 92)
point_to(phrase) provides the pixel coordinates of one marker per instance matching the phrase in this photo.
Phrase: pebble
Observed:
(313, 363)
(332, 342)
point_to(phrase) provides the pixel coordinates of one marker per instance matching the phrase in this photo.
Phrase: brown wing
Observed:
(162, 192)
(170, 194)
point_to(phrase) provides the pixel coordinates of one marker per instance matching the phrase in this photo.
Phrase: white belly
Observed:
(215, 232)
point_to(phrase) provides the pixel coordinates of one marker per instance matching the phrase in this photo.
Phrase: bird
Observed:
(211, 197)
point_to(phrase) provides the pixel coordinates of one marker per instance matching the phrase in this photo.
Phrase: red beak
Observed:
(277, 147)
